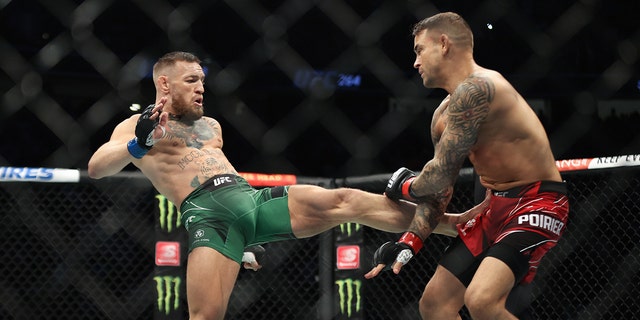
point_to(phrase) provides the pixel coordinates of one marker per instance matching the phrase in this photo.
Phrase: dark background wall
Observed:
(319, 88)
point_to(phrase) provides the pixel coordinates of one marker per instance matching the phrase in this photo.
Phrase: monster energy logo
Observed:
(349, 290)
(349, 228)
(168, 290)
(168, 214)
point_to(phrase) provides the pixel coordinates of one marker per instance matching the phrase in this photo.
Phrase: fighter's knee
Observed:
(480, 304)
(345, 200)
(209, 313)
(345, 195)
(201, 316)
(428, 305)
(472, 299)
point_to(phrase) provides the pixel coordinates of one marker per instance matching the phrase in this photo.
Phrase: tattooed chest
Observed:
(196, 135)
(207, 162)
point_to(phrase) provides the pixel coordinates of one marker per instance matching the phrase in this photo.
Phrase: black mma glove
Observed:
(142, 143)
(402, 251)
(255, 253)
(399, 185)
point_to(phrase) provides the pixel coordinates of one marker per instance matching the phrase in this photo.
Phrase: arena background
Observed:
(324, 91)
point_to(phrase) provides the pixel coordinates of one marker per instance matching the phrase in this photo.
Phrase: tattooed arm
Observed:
(457, 129)
(467, 110)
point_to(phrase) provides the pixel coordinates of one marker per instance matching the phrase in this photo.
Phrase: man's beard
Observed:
(189, 113)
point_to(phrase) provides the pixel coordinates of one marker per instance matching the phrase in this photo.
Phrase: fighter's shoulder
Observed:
(495, 88)
(129, 122)
(485, 83)
(488, 77)
(477, 88)
(134, 117)
(211, 121)
(125, 128)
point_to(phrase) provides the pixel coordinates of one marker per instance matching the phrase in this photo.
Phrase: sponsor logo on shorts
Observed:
(198, 236)
(168, 293)
(221, 181)
(469, 225)
(349, 293)
(541, 221)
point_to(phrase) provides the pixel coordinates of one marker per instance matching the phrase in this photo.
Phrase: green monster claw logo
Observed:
(348, 289)
(167, 212)
(349, 227)
(168, 290)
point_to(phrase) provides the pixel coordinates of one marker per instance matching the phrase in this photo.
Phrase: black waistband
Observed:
(533, 189)
(220, 180)
(214, 183)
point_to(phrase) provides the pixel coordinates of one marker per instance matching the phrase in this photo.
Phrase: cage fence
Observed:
(86, 251)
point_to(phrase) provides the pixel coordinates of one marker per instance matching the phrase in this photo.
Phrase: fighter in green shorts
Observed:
(175, 145)
(227, 214)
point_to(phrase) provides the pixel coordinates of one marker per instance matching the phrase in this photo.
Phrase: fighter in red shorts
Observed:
(486, 121)
(519, 226)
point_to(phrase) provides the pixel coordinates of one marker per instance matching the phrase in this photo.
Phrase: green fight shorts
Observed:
(227, 214)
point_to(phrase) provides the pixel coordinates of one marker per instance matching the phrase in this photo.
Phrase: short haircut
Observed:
(170, 59)
(449, 23)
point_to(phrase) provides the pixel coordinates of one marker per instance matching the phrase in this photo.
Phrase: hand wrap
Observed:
(402, 250)
(253, 254)
(142, 143)
(399, 185)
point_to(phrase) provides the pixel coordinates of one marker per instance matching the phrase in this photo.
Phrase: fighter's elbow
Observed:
(94, 170)
(93, 173)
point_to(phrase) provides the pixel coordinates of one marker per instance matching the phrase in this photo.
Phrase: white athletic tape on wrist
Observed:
(164, 134)
(150, 141)
(404, 256)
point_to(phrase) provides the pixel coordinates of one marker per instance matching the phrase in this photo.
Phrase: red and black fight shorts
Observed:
(518, 227)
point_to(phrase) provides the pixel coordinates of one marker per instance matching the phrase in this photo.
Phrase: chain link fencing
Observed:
(86, 251)
(591, 274)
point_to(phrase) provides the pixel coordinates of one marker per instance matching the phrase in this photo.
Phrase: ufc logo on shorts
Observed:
(542, 221)
(221, 180)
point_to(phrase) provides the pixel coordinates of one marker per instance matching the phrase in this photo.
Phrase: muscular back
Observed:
(511, 146)
(186, 156)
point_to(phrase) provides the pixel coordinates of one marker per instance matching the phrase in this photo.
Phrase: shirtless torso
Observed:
(511, 150)
(185, 157)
